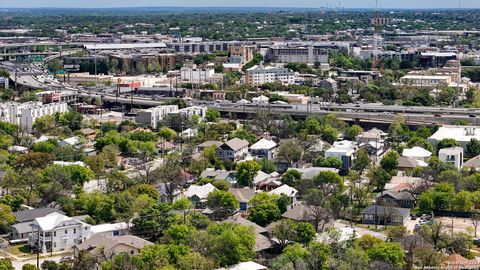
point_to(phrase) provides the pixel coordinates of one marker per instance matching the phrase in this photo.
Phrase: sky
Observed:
(243, 3)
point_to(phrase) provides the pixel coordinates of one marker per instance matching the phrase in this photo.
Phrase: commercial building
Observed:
(425, 80)
(24, 114)
(461, 134)
(84, 78)
(240, 53)
(258, 75)
(300, 53)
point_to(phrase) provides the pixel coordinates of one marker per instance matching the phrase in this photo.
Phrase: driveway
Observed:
(360, 231)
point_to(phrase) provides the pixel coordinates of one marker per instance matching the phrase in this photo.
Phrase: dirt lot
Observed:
(459, 224)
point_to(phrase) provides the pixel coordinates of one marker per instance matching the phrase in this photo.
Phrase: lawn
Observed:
(19, 250)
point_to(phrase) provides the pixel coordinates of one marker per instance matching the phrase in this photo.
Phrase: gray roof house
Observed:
(389, 215)
(31, 214)
(234, 149)
(400, 199)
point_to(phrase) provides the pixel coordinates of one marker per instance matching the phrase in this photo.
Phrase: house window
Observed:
(132, 252)
(66, 231)
(368, 216)
(74, 230)
(55, 234)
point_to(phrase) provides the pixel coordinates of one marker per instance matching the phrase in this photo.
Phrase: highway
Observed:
(351, 112)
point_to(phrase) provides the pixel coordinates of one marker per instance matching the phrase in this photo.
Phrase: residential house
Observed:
(262, 242)
(165, 147)
(405, 164)
(110, 229)
(263, 149)
(88, 133)
(417, 153)
(473, 164)
(343, 150)
(390, 215)
(72, 141)
(452, 155)
(198, 194)
(206, 144)
(288, 191)
(458, 262)
(396, 198)
(109, 247)
(243, 196)
(166, 195)
(373, 135)
(328, 83)
(57, 232)
(32, 214)
(234, 149)
(247, 266)
(310, 172)
(229, 176)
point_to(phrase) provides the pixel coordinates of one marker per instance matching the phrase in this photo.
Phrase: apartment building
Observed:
(301, 53)
(241, 54)
(24, 114)
(258, 75)
(425, 80)
(152, 116)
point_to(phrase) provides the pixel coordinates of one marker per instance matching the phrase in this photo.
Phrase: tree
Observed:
(195, 261)
(284, 231)
(264, 213)
(222, 203)
(446, 143)
(98, 205)
(290, 152)
(304, 232)
(167, 133)
(290, 177)
(390, 162)
(153, 221)
(28, 267)
(179, 234)
(379, 177)
(330, 134)
(388, 252)
(267, 166)
(473, 148)
(212, 115)
(329, 162)
(246, 171)
(319, 210)
(7, 217)
(230, 243)
(352, 132)
(475, 218)
(362, 161)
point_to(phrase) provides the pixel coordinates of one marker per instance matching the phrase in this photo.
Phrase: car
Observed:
(413, 217)
(437, 115)
(472, 115)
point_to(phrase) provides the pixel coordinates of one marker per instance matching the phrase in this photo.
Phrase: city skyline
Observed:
(406, 4)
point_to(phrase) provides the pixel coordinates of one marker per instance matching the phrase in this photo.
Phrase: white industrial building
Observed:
(258, 75)
(24, 114)
(196, 75)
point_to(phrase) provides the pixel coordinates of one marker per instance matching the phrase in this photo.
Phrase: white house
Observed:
(199, 194)
(417, 153)
(287, 191)
(234, 149)
(56, 232)
(263, 149)
(343, 150)
(452, 155)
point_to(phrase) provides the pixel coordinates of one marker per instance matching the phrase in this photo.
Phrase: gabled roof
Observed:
(381, 210)
(242, 194)
(200, 191)
(31, 214)
(396, 195)
(416, 152)
(406, 162)
(299, 212)
(210, 143)
(238, 219)
(236, 144)
(263, 144)
(310, 172)
(285, 190)
(473, 162)
(99, 240)
(49, 222)
(109, 227)
(260, 177)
